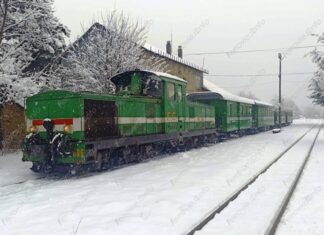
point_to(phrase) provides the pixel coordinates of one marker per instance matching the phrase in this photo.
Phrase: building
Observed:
(177, 66)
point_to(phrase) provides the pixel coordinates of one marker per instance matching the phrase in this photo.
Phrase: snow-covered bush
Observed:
(16, 89)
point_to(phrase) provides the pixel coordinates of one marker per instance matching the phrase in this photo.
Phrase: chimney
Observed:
(169, 47)
(180, 52)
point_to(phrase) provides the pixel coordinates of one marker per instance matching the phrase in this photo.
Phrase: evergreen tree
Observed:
(317, 83)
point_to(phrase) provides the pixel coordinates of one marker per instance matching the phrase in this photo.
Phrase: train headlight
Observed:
(33, 129)
(68, 129)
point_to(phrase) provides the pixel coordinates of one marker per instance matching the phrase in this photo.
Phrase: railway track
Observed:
(277, 218)
(275, 221)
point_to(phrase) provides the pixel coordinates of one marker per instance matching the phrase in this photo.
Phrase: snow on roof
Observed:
(225, 94)
(168, 76)
(172, 57)
(229, 96)
(157, 74)
(263, 103)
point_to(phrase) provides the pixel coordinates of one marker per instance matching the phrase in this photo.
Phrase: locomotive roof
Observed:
(168, 76)
(159, 74)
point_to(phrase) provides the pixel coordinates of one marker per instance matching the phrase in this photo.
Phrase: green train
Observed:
(150, 113)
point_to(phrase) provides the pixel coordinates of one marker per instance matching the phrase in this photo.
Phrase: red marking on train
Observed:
(63, 121)
(37, 122)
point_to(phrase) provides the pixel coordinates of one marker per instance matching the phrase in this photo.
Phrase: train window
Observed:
(171, 91)
(179, 93)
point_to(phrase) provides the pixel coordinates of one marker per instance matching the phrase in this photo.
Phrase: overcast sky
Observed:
(224, 25)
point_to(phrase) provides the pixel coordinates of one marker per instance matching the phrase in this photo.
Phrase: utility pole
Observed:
(280, 59)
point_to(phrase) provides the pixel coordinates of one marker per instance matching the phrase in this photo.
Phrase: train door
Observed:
(171, 107)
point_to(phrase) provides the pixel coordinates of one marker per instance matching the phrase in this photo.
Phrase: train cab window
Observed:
(152, 86)
(138, 83)
(123, 83)
(171, 91)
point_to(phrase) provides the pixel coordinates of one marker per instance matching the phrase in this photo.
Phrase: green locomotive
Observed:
(149, 111)
(148, 114)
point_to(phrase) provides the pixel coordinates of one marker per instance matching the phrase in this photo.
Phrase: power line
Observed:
(257, 75)
(255, 50)
(255, 84)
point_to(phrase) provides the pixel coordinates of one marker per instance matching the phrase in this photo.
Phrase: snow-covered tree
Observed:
(31, 37)
(317, 83)
(104, 50)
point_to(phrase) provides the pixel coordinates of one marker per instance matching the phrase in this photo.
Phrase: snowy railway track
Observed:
(277, 218)
(271, 230)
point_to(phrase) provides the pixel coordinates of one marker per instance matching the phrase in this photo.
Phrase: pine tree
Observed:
(317, 83)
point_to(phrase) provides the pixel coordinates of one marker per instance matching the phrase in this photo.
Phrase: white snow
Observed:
(163, 196)
(305, 212)
(13, 170)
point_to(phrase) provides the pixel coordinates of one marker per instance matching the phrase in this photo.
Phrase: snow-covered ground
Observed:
(163, 196)
(13, 170)
(254, 210)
